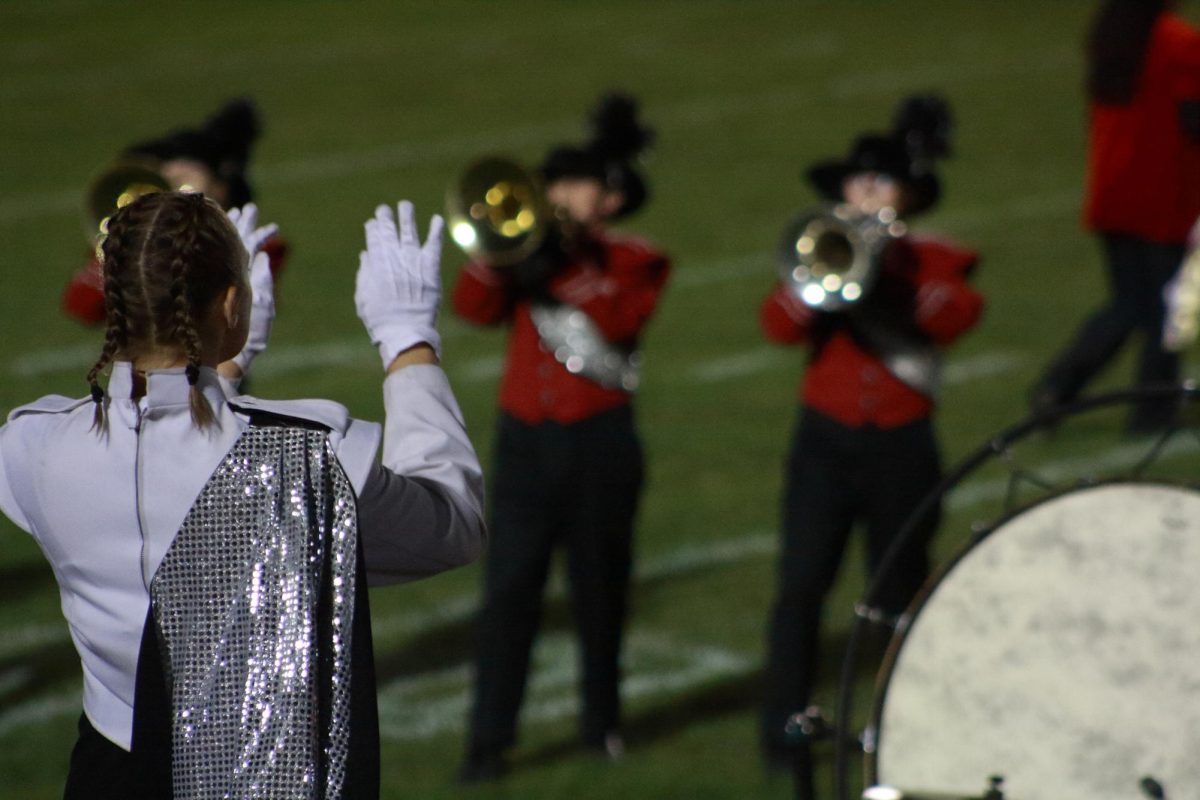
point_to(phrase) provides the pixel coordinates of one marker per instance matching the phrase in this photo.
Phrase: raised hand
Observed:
(262, 287)
(398, 286)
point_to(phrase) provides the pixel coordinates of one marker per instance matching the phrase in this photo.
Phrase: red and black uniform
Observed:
(1143, 175)
(864, 451)
(83, 296)
(1143, 196)
(568, 470)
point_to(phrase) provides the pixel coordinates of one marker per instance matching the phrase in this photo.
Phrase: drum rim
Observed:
(883, 676)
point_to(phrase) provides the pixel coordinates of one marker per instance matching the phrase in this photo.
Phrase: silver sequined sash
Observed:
(254, 606)
(576, 342)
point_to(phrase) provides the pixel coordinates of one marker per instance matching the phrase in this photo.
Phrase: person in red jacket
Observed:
(568, 465)
(211, 159)
(1142, 196)
(864, 448)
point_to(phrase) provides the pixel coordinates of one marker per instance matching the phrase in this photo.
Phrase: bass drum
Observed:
(1060, 651)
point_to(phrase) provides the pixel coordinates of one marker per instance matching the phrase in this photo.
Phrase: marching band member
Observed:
(1143, 193)
(211, 159)
(864, 448)
(568, 464)
(213, 569)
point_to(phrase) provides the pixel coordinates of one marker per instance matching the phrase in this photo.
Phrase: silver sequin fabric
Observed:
(254, 604)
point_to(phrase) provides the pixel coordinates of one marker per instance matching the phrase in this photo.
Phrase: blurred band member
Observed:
(1143, 191)
(864, 449)
(568, 460)
(211, 159)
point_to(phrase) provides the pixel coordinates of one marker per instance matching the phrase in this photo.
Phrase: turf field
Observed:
(368, 102)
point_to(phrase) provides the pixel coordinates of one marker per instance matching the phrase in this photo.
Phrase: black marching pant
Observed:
(576, 485)
(100, 770)
(838, 476)
(1138, 270)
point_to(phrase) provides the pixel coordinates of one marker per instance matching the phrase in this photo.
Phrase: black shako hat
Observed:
(610, 156)
(886, 155)
(222, 144)
(922, 129)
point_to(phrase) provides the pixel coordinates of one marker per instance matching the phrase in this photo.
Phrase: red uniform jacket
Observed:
(83, 296)
(618, 287)
(848, 382)
(1143, 170)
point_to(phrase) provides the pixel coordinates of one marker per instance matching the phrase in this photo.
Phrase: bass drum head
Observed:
(1061, 651)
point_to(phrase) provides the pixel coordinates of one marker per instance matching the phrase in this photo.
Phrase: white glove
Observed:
(253, 238)
(262, 286)
(399, 284)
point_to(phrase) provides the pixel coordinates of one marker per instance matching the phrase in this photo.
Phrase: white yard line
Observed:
(16, 641)
(15, 678)
(55, 359)
(422, 706)
(39, 710)
(739, 365)
(478, 370)
(984, 365)
(1012, 210)
(757, 265)
(283, 360)
(767, 357)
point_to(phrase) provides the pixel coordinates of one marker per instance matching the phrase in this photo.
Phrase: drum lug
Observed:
(809, 725)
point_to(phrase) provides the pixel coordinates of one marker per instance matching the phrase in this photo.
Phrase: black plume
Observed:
(616, 132)
(923, 122)
(233, 130)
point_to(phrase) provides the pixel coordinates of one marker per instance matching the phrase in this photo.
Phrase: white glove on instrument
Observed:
(262, 287)
(399, 284)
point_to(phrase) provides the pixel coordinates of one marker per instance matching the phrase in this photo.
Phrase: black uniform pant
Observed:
(576, 485)
(1138, 270)
(100, 770)
(838, 476)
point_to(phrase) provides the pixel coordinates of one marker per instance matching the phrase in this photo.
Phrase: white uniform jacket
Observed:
(104, 508)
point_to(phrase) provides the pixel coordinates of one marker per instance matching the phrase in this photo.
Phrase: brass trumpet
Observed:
(116, 187)
(831, 256)
(497, 211)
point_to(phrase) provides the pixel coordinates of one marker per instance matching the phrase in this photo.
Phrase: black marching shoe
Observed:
(483, 765)
(610, 746)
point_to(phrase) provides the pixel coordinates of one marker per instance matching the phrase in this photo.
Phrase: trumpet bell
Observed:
(497, 211)
(830, 256)
(116, 187)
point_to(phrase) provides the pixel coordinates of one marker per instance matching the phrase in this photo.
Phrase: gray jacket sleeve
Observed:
(421, 511)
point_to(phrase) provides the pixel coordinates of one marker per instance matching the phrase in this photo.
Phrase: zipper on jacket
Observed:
(137, 491)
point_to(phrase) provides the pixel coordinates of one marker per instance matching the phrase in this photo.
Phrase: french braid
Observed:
(184, 323)
(116, 328)
(166, 259)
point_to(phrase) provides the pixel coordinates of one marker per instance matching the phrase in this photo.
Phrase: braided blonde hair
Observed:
(166, 257)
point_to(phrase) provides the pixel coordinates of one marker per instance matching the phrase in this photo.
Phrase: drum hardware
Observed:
(1152, 788)
(809, 725)
(877, 616)
(883, 792)
(813, 725)
(831, 256)
(892, 764)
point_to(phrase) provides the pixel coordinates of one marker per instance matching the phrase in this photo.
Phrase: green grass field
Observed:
(368, 102)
